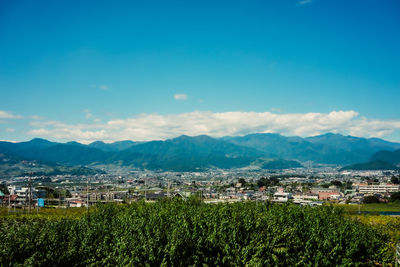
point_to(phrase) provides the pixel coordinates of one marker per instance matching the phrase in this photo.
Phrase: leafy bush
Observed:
(181, 233)
(370, 199)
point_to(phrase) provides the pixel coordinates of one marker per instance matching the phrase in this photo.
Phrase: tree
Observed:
(349, 185)
(370, 199)
(263, 181)
(337, 183)
(395, 180)
(4, 189)
(242, 181)
(395, 196)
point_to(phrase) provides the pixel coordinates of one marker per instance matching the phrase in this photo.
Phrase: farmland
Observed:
(176, 232)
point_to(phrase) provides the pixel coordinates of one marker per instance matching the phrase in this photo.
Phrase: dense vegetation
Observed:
(371, 165)
(389, 156)
(191, 233)
(276, 164)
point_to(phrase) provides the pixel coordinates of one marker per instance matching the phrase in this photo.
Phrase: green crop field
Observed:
(182, 233)
(373, 207)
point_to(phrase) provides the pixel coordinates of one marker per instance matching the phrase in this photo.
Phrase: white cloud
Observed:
(180, 97)
(146, 127)
(8, 115)
(10, 130)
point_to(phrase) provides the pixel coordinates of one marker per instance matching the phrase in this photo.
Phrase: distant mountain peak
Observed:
(96, 143)
(197, 137)
(331, 134)
(39, 141)
(74, 143)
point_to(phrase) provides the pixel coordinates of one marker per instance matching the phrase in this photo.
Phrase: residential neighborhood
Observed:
(300, 186)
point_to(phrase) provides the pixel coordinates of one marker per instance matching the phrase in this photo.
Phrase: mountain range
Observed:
(15, 166)
(185, 153)
(328, 148)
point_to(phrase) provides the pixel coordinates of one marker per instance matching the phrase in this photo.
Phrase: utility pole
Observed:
(87, 195)
(30, 192)
(9, 201)
(168, 188)
(145, 191)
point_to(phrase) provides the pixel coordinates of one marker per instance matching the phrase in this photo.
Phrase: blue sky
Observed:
(72, 70)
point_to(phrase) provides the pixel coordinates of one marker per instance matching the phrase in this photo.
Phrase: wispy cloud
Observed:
(154, 126)
(37, 117)
(180, 97)
(103, 87)
(88, 114)
(305, 2)
(9, 115)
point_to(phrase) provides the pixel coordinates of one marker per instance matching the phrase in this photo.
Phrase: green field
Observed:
(374, 207)
(182, 233)
(43, 212)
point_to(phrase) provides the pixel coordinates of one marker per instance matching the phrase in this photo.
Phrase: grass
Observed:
(373, 207)
(44, 212)
(388, 224)
(350, 209)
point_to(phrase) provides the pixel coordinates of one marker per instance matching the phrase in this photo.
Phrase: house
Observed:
(155, 196)
(305, 196)
(281, 196)
(76, 203)
(182, 195)
(22, 193)
(329, 195)
(10, 199)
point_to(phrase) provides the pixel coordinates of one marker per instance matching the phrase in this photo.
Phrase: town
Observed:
(303, 186)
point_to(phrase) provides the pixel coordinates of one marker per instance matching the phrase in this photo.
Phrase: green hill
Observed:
(372, 165)
(389, 156)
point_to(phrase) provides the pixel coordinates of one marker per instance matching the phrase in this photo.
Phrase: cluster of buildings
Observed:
(333, 193)
(310, 187)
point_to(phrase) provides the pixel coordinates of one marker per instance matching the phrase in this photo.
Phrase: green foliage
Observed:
(395, 197)
(183, 233)
(272, 181)
(55, 193)
(242, 181)
(389, 156)
(4, 189)
(372, 165)
(370, 199)
(276, 164)
(395, 180)
(337, 183)
(371, 208)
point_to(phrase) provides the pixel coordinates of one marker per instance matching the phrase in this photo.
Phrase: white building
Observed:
(22, 193)
(305, 196)
(378, 188)
(281, 196)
